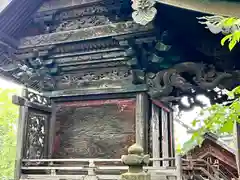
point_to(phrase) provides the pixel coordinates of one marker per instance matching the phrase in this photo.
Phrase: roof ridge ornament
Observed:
(144, 11)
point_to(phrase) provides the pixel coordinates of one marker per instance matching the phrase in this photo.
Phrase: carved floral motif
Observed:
(35, 145)
(144, 11)
(96, 75)
(76, 13)
(37, 98)
(84, 22)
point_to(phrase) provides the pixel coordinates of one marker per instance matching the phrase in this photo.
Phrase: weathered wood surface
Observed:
(216, 155)
(225, 8)
(165, 136)
(62, 4)
(237, 144)
(83, 34)
(96, 129)
(24, 102)
(155, 127)
(142, 119)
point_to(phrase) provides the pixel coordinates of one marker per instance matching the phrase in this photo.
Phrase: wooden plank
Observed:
(82, 92)
(171, 134)
(76, 177)
(179, 170)
(20, 101)
(84, 34)
(155, 135)
(62, 4)
(52, 130)
(161, 105)
(140, 118)
(21, 134)
(165, 140)
(39, 107)
(90, 159)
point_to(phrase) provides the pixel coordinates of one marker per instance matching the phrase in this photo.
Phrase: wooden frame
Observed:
(28, 106)
(162, 133)
(141, 114)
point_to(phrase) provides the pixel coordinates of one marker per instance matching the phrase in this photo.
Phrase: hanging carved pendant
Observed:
(144, 11)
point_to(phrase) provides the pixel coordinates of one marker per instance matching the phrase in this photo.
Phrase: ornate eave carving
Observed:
(63, 4)
(95, 79)
(85, 47)
(83, 34)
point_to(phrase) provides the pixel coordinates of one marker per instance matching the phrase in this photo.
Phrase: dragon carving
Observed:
(187, 77)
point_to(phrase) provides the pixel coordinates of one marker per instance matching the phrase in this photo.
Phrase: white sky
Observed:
(3, 4)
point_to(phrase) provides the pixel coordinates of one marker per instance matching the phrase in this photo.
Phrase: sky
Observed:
(3, 4)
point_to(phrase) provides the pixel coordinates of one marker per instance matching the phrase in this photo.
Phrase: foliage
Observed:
(8, 117)
(219, 120)
(228, 26)
(234, 37)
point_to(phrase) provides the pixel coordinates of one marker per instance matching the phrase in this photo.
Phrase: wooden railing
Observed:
(51, 170)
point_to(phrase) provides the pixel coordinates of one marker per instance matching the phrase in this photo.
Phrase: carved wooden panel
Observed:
(36, 135)
(96, 79)
(96, 129)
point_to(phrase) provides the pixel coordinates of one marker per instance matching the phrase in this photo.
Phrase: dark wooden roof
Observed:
(17, 16)
(213, 149)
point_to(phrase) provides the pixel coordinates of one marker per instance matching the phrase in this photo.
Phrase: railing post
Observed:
(179, 167)
(135, 161)
(91, 170)
(53, 171)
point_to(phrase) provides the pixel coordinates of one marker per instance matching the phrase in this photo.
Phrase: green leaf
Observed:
(220, 120)
(236, 90)
(225, 38)
(194, 122)
(232, 44)
(228, 22)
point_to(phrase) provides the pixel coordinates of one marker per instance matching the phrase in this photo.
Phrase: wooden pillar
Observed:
(141, 119)
(165, 136)
(155, 135)
(52, 130)
(21, 137)
(171, 135)
(179, 167)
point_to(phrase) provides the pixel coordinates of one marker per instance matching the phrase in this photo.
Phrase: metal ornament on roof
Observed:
(215, 24)
(144, 11)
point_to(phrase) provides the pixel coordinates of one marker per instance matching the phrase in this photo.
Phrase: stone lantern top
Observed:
(135, 161)
(135, 158)
(135, 149)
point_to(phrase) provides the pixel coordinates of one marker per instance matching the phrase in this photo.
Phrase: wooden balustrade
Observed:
(92, 169)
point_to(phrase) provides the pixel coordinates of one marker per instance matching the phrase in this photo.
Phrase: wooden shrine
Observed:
(97, 82)
(214, 156)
